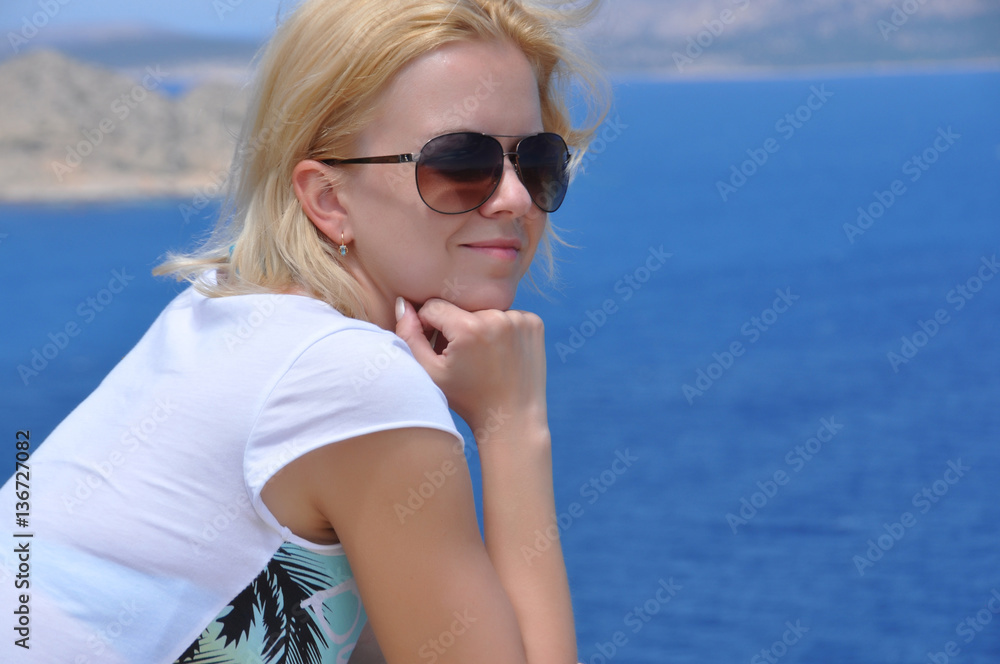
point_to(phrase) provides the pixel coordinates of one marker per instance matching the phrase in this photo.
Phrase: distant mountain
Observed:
(679, 37)
(665, 36)
(128, 111)
(125, 46)
(73, 130)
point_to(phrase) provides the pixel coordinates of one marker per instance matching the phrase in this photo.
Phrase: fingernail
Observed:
(400, 309)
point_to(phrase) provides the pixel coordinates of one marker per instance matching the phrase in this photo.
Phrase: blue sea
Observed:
(774, 368)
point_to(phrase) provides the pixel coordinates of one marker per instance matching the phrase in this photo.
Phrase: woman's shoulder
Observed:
(308, 337)
(252, 341)
(267, 319)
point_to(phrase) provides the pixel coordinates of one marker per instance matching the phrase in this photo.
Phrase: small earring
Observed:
(343, 247)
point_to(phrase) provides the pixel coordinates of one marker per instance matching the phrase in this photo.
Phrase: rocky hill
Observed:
(695, 37)
(84, 116)
(70, 130)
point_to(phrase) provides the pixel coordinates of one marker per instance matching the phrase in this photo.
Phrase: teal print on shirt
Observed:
(303, 608)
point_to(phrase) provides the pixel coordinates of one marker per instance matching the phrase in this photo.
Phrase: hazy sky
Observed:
(218, 17)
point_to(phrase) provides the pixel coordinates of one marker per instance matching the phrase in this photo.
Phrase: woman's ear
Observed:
(317, 191)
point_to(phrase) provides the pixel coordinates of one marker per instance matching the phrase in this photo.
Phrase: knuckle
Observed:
(496, 322)
(534, 322)
(529, 323)
(472, 327)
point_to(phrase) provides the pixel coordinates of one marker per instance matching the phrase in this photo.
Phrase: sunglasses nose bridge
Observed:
(512, 156)
(517, 170)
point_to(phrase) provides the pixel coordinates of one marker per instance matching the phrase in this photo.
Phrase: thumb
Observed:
(410, 329)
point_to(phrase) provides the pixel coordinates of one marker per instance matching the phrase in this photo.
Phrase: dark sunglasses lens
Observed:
(459, 172)
(544, 163)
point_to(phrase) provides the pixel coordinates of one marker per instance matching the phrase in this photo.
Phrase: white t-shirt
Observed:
(149, 539)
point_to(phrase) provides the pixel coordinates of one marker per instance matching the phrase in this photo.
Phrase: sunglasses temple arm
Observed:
(388, 159)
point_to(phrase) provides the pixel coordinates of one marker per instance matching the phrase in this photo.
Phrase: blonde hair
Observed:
(317, 87)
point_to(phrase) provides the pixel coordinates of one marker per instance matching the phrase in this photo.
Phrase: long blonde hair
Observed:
(317, 85)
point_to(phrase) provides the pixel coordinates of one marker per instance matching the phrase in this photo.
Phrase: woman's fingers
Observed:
(442, 315)
(490, 358)
(410, 330)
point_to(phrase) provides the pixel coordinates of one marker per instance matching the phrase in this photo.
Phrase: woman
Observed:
(289, 413)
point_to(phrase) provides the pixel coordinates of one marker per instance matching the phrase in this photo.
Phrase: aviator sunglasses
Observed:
(458, 172)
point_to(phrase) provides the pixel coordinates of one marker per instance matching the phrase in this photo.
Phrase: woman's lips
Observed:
(503, 253)
(502, 249)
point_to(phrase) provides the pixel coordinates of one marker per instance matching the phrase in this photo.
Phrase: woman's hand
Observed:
(493, 365)
(492, 370)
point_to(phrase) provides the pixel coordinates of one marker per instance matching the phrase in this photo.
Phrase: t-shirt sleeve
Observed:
(346, 384)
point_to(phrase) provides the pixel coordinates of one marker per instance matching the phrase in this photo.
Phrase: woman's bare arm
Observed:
(493, 372)
(429, 586)
(401, 503)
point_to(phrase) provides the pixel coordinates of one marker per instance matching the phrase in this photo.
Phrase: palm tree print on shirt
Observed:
(303, 608)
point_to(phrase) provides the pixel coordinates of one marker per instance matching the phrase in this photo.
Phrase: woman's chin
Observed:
(485, 298)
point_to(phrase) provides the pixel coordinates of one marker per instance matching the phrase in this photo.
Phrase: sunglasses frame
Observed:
(411, 157)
